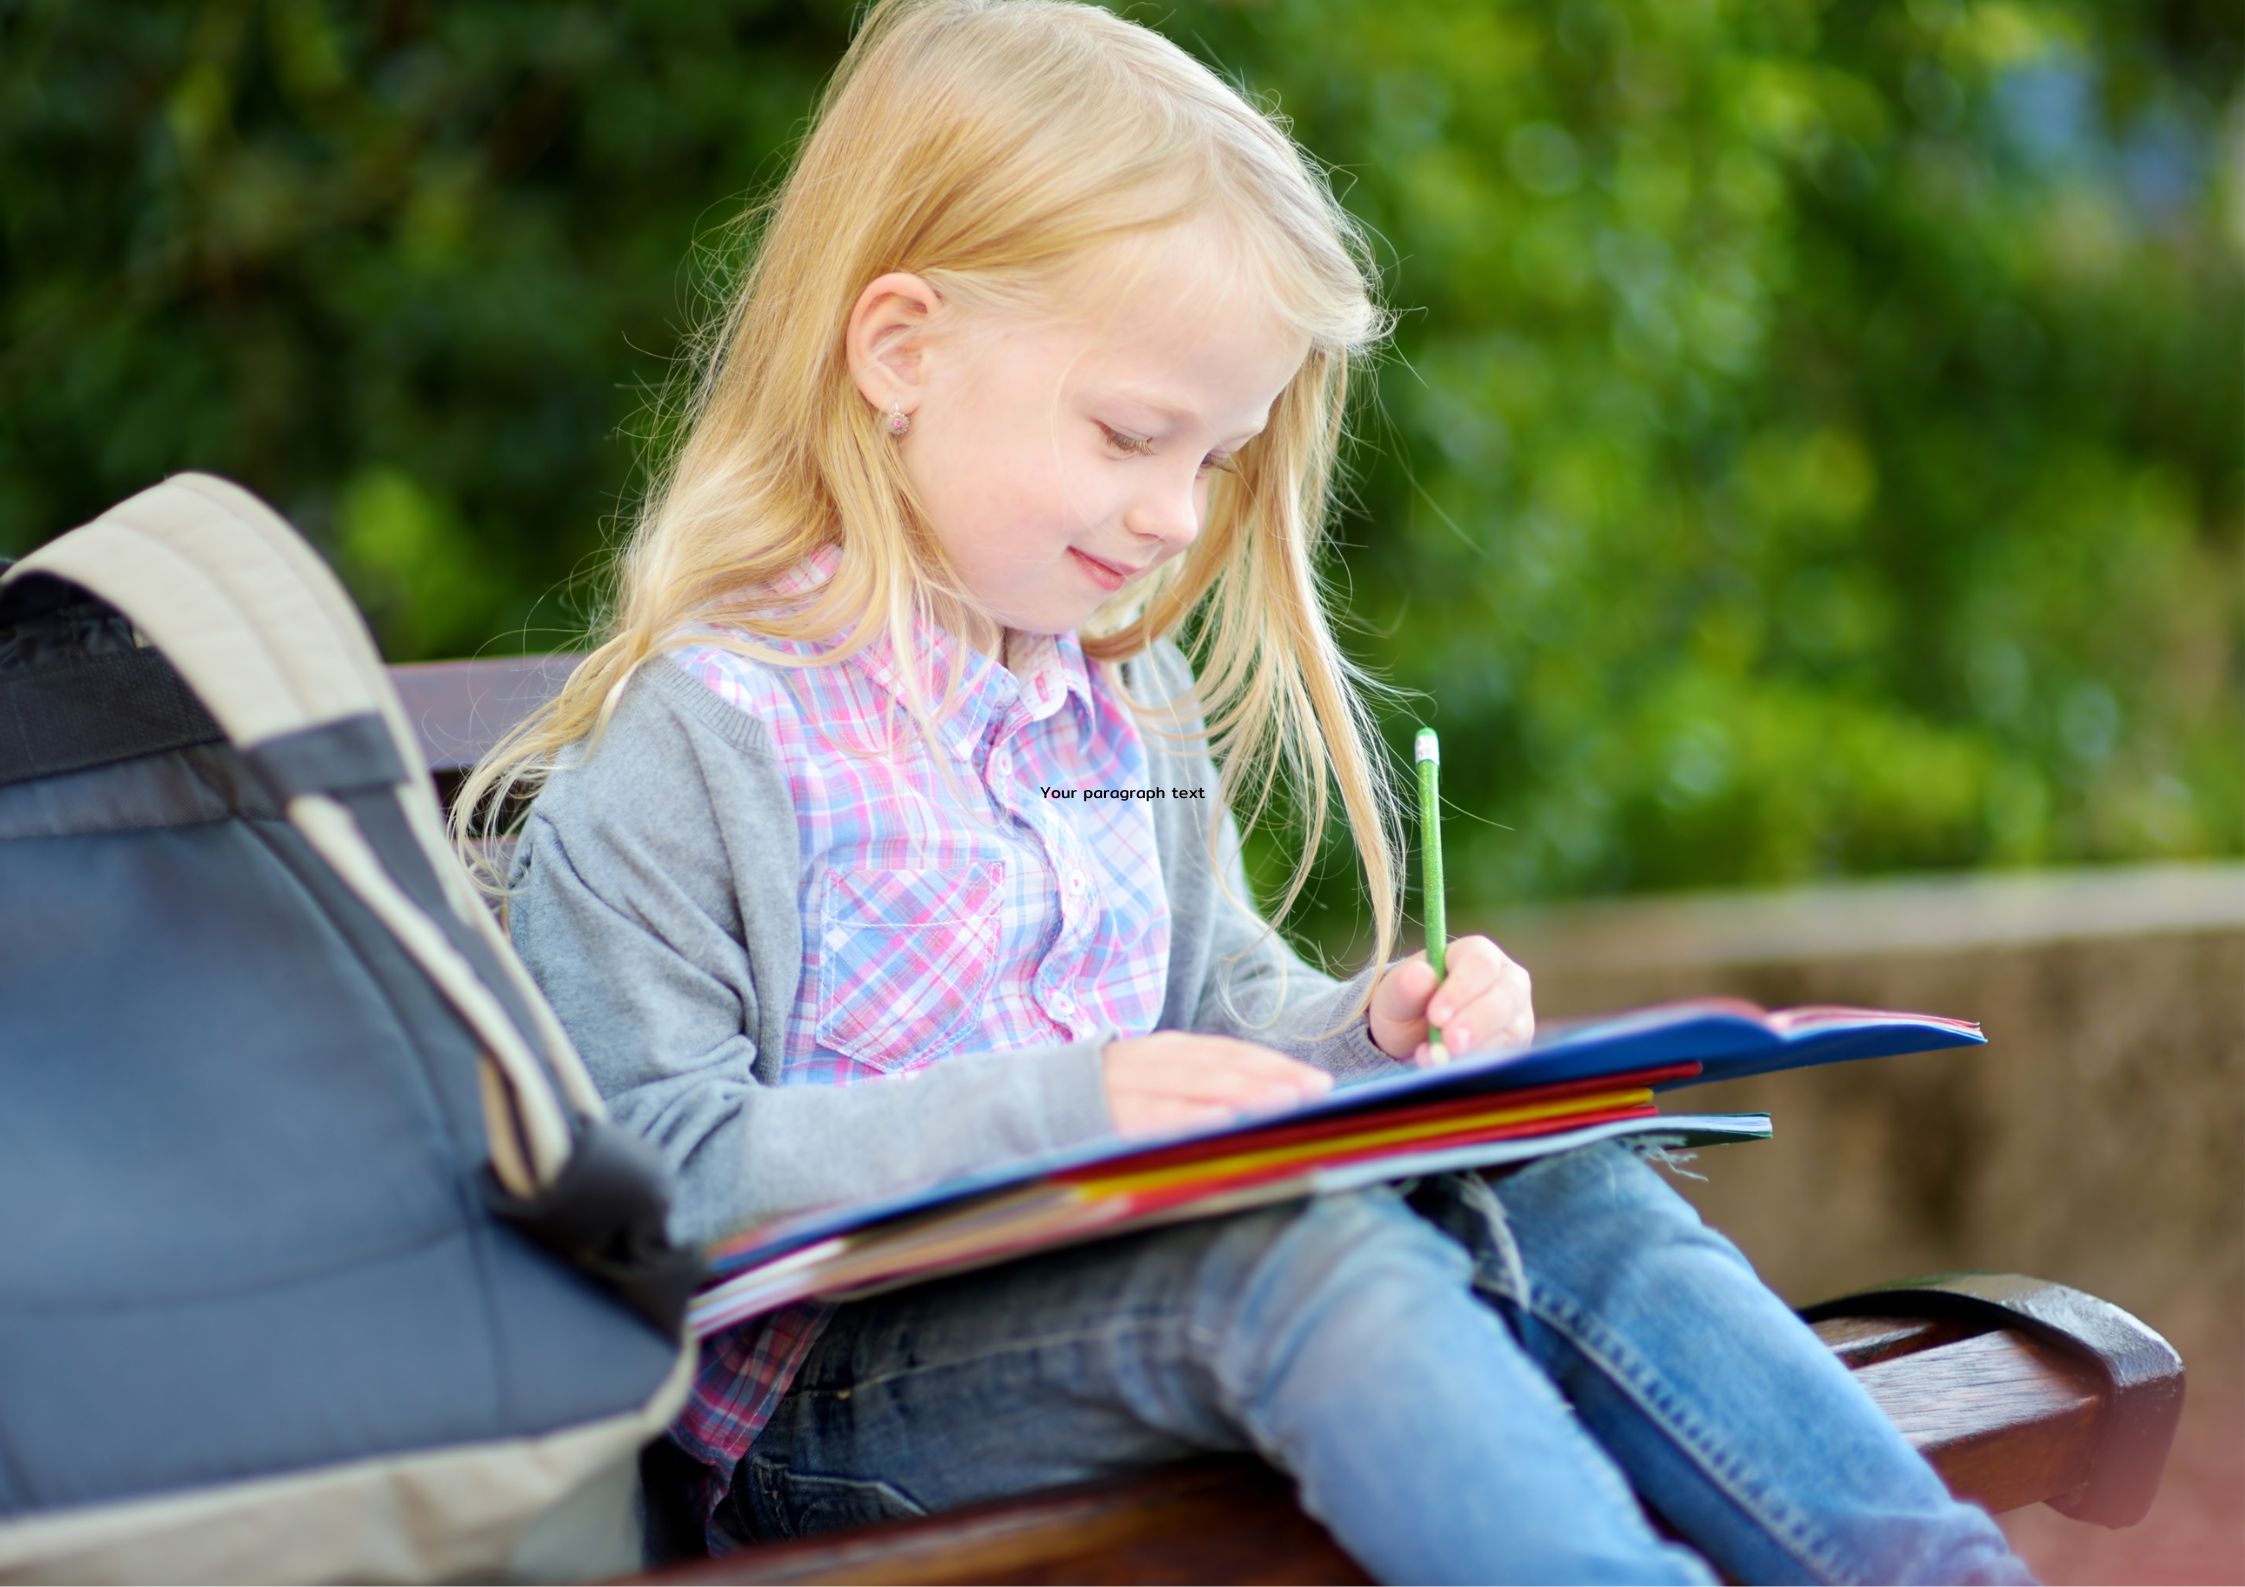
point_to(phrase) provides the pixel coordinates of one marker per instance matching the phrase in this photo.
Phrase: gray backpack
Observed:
(319, 1258)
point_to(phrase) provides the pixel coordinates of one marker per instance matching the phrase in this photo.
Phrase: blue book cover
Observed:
(1727, 1037)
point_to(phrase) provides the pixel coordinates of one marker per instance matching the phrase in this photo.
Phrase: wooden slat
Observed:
(2007, 1420)
(1222, 1519)
(462, 708)
(1859, 1341)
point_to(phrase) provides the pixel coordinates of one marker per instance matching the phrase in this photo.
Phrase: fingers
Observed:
(1400, 996)
(1219, 1069)
(1486, 1000)
(1173, 1080)
(1164, 1115)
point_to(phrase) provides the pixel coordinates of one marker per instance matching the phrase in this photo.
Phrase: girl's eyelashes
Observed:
(1219, 461)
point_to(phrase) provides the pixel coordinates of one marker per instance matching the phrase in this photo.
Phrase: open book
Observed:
(1577, 1082)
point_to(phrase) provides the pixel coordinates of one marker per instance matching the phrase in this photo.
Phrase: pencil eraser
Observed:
(1427, 746)
(1437, 1054)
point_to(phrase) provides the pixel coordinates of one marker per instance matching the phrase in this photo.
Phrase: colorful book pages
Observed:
(1095, 1200)
(1578, 1081)
(1051, 1214)
(1675, 1131)
(765, 1241)
(1480, 1123)
(1430, 1116)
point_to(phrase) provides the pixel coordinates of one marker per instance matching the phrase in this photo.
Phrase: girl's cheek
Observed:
(1089, 500)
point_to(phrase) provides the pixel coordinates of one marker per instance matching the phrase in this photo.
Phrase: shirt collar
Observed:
(1049, 669)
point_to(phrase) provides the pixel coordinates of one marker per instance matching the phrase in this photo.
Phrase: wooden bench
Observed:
(2018, 1391)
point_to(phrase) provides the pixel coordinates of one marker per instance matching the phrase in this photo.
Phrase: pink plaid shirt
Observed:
(907, 900)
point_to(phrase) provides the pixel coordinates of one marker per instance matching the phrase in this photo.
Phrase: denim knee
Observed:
(1271, 1275)
(1610, 1182)
(1597, 1204)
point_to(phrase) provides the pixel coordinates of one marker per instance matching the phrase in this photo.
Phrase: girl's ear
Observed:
(886, 340)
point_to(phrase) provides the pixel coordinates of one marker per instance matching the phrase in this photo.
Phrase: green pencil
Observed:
(1428, 752)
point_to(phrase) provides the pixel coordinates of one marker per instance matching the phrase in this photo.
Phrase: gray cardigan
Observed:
(659, 912)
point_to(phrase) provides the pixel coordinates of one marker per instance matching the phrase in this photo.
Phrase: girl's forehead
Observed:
(1214, 361)
(1175, 320)
(1145, 284)
(1178, 320)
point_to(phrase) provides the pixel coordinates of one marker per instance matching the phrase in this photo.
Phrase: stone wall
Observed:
(2098, 1139)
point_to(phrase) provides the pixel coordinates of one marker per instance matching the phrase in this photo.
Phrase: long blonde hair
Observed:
(974, 142)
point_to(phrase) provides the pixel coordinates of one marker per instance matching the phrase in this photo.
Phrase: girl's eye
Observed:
(1137, 448)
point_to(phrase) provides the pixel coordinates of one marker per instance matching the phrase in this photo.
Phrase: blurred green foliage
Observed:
(1812, 445)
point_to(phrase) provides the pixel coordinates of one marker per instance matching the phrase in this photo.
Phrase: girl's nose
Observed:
(1168, 514)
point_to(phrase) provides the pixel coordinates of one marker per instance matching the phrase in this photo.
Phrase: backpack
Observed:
(319, 1257)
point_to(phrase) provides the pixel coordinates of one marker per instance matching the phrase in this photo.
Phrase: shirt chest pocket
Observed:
(906, 958)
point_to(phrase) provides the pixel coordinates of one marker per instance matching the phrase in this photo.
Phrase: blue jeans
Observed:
(1470, 1379)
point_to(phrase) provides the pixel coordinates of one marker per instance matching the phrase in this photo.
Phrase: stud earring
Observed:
(899, 420)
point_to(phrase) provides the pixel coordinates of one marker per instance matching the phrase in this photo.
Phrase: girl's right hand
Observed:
(1174, 1080)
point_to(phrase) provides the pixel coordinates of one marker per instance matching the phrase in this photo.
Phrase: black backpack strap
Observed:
(96, 710)
(606, 1214)
(76, 692)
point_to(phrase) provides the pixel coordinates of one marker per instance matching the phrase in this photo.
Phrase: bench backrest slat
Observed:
(462, 708)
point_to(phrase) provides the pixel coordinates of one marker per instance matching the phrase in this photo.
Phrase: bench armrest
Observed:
(2129, 1379)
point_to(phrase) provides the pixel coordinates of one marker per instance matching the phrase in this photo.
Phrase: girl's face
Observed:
(1042, 452)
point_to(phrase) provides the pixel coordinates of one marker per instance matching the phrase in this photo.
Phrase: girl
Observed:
(1043, 349)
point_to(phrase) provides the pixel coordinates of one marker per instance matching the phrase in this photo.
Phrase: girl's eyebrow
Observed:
(1177, 415)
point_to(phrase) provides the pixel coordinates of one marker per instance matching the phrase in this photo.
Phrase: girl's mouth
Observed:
(1105, 577)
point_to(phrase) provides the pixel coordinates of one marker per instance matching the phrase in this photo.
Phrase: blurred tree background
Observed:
(1812, 445)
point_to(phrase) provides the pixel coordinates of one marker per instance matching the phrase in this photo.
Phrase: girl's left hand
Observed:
(1483, 998)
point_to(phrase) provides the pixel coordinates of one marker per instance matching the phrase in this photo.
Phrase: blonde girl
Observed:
(1039, 363)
